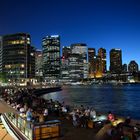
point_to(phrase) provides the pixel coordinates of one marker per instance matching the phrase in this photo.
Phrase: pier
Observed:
(59, 125)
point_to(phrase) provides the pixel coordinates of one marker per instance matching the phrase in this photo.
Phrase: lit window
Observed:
(22, 65)
(21, 72)
(21, 52)
(32, 54)
(7, 66)
(28, 38)
(28, 42)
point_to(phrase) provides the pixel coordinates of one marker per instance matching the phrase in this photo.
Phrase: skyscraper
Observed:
(91, 60)
(51, 56)
(18, 59)
(124, 68)
(115, 61)
(66, 51)
(38, 63)
(78, 66)
(0, 54)
(102, 60)
(133, 66)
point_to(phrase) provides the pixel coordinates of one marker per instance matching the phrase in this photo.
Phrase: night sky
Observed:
(99, 23)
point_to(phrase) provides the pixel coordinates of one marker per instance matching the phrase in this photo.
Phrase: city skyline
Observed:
(96, 51)
(108, 24)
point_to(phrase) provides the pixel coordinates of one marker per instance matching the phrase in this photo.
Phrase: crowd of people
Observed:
(80, 116)
(38, 110)
(32, 108)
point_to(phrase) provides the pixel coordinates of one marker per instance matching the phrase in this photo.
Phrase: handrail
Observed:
(13, 128)
(25, 130)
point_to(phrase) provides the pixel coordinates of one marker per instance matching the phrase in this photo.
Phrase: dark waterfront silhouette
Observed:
(123, 100)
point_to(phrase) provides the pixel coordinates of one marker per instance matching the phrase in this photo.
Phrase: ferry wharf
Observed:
(68, 132)
(4, 135)
(56, 127)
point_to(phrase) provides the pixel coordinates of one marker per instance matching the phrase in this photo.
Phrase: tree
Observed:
(3, 77)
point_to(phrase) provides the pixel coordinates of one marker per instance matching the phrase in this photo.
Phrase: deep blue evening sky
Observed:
(99, 23)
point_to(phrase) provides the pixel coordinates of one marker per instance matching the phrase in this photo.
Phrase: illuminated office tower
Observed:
(133, 66)
(51, 56)
(78, 66)
(0, 54)
(124, 68)
(116, 61)
(102, 60)
(66, 52)
(18, 59)
(38, 63)
(91, 60)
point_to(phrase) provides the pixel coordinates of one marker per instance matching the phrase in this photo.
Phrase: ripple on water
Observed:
(123, 100)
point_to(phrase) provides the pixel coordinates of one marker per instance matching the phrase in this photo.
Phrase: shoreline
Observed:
(109, 98)
(80, 129)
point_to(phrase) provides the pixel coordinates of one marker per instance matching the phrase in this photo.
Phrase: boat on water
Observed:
(75, 83)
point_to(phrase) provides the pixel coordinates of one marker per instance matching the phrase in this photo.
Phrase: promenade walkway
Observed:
(69, 132)
(4, 135)
(5, 108)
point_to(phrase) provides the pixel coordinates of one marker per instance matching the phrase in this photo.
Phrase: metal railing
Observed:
(33, 131)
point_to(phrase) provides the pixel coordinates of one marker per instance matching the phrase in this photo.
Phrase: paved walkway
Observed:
(69, 132)
(4, 134)
(5, 108)
(67, 129)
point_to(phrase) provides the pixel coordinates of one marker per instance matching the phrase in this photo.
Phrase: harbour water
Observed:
(123, 100)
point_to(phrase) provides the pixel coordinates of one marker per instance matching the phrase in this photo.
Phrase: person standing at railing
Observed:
(29, 115)
(45, 114)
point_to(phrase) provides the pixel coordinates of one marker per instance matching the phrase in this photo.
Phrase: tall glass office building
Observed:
(51, 56)
(78, 66)
(115, 61)
(102, 62)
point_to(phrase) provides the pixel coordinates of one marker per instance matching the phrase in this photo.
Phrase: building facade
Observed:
(51, 57)
(78, 66)
(133, 66)
(124, 68)
(1, 54)
(66, 52)
(38, 63)
(115, 61)
(91, 60)
(102, 60)
(18, 58)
